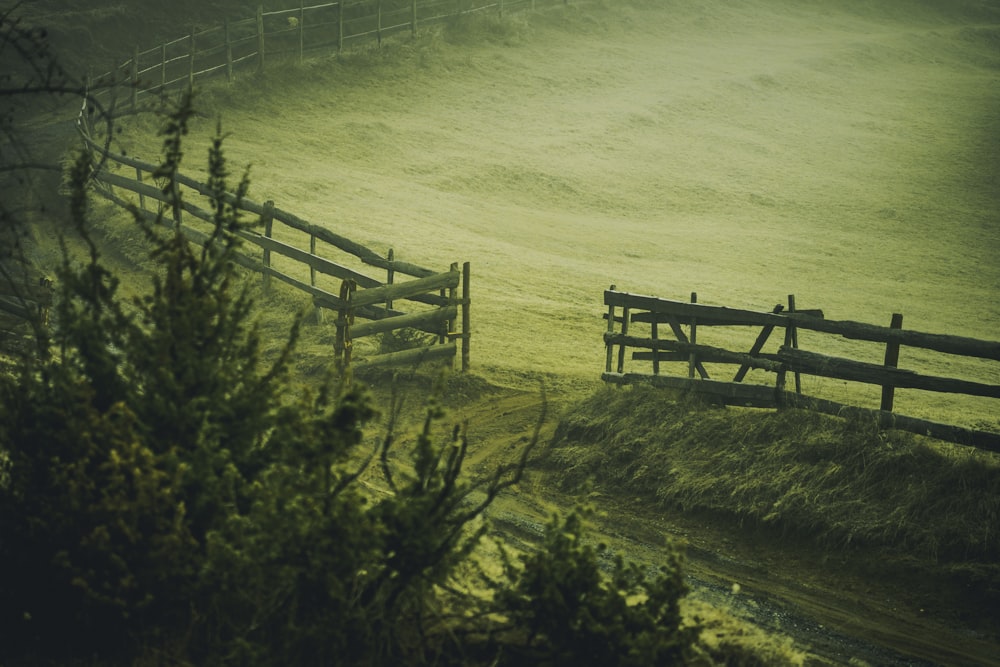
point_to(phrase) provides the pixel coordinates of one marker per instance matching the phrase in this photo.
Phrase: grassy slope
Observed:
(895, 507)
(840, 481)
(836, 151)
(779, 156)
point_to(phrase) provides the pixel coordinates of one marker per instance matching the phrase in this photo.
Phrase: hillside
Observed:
(843, 152)
(843, 156)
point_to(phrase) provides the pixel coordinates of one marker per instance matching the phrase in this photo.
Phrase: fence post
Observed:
(621, 348)
(312, 276)
(191, 62)
(229, 51)
(693, 338)
(267, 217)
(443, 336)
(891, 360)
(134, 75)
(340, 26)
(792, 341)
(466, 303)
(654, 331)
(302, 30)
(378, 23)
(390, 275)
(345, 318)
(142, 197)
(608, 347)
(175, 205)
(450, 326)
(260, 38)
(163, 67)
(413, 18)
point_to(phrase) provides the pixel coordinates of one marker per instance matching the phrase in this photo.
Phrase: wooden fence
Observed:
(25, 297)
(439, 302)
(249, 43)
(664, 315)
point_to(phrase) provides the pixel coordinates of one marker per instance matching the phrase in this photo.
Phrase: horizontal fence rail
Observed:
(439, 302)
(683, 320)
(24, 299)
(248, 43)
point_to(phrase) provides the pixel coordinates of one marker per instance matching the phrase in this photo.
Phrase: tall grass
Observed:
(837, 481)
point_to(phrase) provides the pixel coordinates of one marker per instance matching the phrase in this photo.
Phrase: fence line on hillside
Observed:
(250, 43)
(684, 348)
(443, 297)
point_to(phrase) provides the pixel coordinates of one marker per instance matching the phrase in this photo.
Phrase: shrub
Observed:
(574, 614)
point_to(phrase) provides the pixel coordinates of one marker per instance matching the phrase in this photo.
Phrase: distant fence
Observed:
(664, 316)
(250, 43)
(438, 302)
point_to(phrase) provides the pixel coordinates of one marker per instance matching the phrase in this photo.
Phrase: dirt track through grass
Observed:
(838, 152)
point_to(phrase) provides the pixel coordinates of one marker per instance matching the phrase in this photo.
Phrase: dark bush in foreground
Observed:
(167, 497)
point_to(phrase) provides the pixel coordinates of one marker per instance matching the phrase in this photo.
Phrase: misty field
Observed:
(839, 152)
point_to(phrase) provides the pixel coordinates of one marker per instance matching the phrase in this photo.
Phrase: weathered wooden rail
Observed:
(25, 298)
(684, 348)
(248, 43)
(439, 302)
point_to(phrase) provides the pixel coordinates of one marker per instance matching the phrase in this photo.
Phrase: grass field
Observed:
(838, 152)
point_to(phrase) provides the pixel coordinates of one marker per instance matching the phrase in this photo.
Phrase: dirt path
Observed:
(793, 589)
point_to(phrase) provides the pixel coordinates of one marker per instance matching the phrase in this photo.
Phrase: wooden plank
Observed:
(705, 352)
(693, 328)
(130, 184)
(675, 326)
(424, 321)
(609, 348)
(839, 368)
(658, 356)
(891, 360)
(314, 262)
(267, 219)
(466, 301)
(621, 348)
(732, 393)
(413, 357)
(959, 435)
(716, 321)
(406, 290)
(792, 340)
(758, 345)
(958, 345)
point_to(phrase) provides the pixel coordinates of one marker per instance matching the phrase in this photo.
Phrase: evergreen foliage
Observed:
(577, 616)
